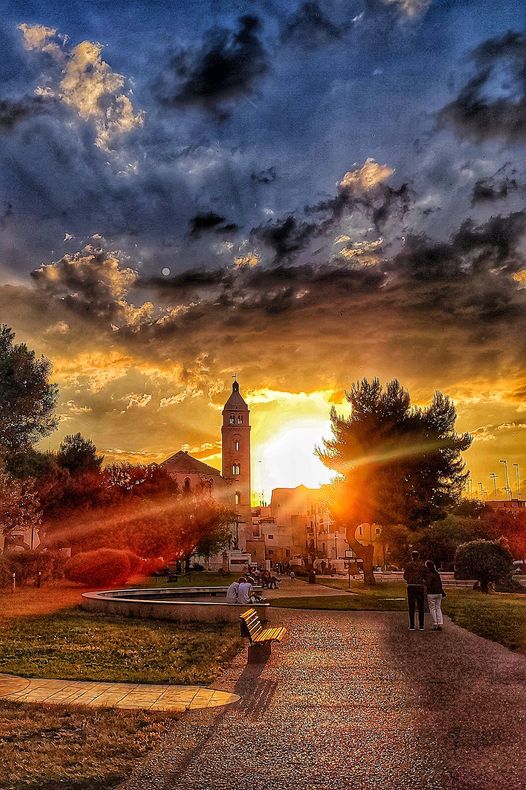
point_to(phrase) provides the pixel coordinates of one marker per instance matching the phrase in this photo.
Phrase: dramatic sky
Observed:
(303, 193)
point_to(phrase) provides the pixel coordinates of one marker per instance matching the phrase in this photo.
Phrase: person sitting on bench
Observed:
(245, 592)
(232, 593)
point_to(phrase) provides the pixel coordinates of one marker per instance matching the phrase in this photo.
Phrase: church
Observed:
(231, 486)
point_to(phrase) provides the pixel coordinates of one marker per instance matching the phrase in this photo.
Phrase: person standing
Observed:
(415, 576)
(435, 593)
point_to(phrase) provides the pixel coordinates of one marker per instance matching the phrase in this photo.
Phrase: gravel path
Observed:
(352, 701)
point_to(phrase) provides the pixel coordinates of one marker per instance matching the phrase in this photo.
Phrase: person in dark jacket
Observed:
(435, 593)
(415, 576)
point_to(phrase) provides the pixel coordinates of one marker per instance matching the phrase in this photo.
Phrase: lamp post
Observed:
(508, 489)
(494, 478)
(518, 474)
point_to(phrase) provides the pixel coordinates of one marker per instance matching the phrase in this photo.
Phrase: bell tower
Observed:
(235, 441)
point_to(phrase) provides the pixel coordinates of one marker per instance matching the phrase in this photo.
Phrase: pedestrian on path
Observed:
(415, 575)
(435, 593)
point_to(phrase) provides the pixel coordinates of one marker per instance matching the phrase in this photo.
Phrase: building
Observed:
(231, 486)
(508, 504)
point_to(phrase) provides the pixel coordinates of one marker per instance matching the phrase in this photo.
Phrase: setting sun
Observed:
(288, 459)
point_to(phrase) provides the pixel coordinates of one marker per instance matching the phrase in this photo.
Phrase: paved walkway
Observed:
(354, 701)
(128, 696)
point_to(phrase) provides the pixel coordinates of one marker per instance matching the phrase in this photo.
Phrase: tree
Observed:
(19, 506)
(396, 463)
(78, 455)
(27, 398)
(484, 560)
(440, 541)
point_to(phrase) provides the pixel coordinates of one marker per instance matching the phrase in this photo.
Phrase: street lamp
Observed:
(517, 472)
(494, 478)
(508, 489)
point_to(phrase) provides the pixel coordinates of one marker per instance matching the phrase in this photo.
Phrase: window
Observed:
(378, 530)
(360, 531)
(236, 469)
(239, 419)
(270, 537)
(231, 419)
(237, 498)
(236, 445)
(186, 485)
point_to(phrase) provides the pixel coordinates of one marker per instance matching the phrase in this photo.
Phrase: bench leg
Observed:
(258, 654)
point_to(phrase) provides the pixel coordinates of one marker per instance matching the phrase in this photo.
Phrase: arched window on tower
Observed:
(237, 498)
(236, 468)
(231, 419)
(239, 419)
(186, 485)
(236, 445)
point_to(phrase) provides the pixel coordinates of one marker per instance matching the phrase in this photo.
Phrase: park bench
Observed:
(260, 638)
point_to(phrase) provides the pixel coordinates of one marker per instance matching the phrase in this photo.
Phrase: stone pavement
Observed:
(354, 701)
(128, 696)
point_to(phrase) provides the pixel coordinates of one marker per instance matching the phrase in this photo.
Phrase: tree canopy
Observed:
(27, 398)
(77, 455)
(396, 463)
(485, 560)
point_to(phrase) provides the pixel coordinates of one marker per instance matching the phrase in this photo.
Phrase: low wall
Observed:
(148, 603)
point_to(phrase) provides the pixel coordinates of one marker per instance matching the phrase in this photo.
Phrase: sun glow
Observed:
(287, 459)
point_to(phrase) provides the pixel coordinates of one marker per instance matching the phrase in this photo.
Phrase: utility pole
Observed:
(508, 489)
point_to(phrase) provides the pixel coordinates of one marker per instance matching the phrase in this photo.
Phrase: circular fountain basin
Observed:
(180, 604)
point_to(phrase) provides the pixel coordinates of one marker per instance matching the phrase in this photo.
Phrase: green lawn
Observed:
(44, 633)
(74, 644)
(500, 617)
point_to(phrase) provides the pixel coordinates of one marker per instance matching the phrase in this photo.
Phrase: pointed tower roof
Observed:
(185, 463)
(235, 401)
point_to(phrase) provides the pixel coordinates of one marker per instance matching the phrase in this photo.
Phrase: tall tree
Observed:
(27, 399)
(78, 455)
(395, 463)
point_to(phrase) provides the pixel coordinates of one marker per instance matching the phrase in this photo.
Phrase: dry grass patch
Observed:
(46, 747)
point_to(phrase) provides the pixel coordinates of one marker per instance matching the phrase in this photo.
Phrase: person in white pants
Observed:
(435, 593)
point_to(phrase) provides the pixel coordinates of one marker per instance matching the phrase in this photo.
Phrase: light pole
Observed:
(508, 489)
(494, 478)
(518, 474)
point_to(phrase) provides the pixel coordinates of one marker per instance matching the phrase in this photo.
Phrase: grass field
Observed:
(43, 633)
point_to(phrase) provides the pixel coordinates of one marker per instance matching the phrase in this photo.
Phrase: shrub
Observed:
(99, 568)
(484, 560)
(28, 564)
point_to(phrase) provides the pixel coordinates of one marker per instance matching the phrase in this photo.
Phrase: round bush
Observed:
(99, 568)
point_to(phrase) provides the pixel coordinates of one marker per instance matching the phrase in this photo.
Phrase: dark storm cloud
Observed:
(264, 176)
(492, 104)
(90, 282)
(380, 203)
(226, 67)
(487, 190)
(285, 237)
(309, 27)
(14, 111)
(288, 236)
(209, 221)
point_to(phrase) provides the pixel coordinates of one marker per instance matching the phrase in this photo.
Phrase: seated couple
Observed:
(240, 592)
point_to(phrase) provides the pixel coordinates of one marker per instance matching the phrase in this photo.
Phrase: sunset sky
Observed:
(300, 193)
